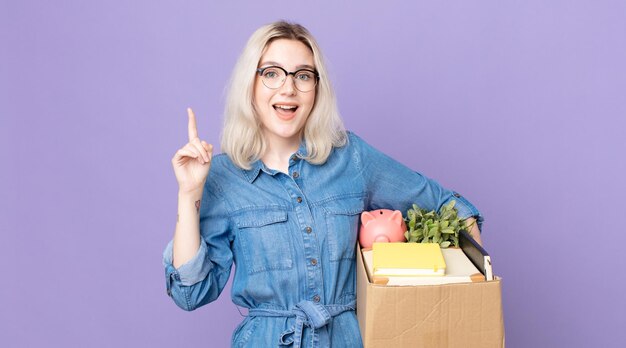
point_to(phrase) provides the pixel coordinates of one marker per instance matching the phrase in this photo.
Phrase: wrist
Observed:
(193, 194)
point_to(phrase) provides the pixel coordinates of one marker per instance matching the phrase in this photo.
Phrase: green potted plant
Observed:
(431, 227)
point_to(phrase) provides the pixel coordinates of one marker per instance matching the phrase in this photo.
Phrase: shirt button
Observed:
(294, 158)
(308, 230)
(314, 262)
(457, 195)
(299, 199)
(295, 175)
(316, 298)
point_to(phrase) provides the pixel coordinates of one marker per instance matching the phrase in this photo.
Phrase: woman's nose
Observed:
(289, 87)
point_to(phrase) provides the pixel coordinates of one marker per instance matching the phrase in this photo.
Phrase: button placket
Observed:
(311, 256)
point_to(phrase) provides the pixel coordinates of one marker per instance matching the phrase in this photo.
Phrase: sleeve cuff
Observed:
(192, 271)
(466, 209)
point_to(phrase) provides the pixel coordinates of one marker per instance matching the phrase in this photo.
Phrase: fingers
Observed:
(200, 149)
(208, 148)
(192, 128)
(183, 153)
(195, 148)
(205, 145)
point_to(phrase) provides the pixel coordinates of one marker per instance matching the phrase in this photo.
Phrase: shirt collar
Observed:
(253, 172)
(302, 149)
(258, 166)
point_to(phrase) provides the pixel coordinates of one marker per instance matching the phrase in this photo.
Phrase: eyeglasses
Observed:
(274, 77)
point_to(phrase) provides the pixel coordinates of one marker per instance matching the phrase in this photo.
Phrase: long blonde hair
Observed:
(242, 138)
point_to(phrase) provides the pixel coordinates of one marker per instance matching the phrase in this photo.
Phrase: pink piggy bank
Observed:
(382, 225)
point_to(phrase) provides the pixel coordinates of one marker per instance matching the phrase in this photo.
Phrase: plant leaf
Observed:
(451, 204)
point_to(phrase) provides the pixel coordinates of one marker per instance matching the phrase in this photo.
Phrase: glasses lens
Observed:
(305, 80)
(273, 77)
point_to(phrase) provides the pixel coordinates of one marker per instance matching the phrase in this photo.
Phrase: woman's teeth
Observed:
(286, 107)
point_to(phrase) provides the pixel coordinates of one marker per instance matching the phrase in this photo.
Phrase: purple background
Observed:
(519, 105)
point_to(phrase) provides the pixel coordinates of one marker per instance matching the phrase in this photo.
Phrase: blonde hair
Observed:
(242, 138)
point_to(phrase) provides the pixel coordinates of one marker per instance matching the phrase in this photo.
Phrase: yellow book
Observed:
(408, 259)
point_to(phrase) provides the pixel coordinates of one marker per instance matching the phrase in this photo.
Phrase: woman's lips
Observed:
(285, 112)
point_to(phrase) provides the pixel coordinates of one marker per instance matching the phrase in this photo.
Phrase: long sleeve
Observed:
(201, 279)
(391, 184)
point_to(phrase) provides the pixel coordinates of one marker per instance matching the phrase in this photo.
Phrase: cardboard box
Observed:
(452, 315)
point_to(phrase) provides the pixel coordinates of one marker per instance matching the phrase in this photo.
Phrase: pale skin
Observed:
(191, 165)
(192, 162)
(283, 133)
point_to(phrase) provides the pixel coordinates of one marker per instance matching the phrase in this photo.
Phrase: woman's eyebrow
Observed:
(270, 63)
(305, 66)
(298, 67)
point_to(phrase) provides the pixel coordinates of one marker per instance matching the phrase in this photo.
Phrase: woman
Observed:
(283, 201)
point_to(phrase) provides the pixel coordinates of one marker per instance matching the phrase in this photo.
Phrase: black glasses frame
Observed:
(260, 71)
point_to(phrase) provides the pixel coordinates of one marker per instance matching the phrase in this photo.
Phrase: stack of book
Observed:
(408, 264)
(408, 259)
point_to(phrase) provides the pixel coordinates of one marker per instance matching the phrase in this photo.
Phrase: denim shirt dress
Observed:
(292, 238)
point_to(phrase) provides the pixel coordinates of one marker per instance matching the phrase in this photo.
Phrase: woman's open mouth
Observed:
(285, 112)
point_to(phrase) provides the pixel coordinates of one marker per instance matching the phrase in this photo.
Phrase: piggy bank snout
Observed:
(381, 239)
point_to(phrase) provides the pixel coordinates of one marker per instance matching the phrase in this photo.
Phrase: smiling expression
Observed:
(283, 112)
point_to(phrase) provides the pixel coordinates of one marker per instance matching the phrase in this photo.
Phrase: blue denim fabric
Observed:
(292, 238)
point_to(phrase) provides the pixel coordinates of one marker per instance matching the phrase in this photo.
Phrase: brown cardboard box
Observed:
(452, 315)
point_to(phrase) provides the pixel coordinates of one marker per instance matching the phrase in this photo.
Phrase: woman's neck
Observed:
(278, 153)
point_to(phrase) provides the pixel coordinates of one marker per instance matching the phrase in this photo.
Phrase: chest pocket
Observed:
(264, 239)
(342, 222)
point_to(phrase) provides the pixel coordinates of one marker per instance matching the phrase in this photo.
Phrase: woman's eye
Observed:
(304, 76)
(271, 74)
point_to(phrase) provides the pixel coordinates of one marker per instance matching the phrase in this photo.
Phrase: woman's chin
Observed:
(285, 133)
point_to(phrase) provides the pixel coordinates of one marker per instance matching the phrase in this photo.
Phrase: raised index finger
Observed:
(193, 130)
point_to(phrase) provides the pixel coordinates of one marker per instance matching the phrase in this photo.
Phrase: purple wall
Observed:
(519, 105)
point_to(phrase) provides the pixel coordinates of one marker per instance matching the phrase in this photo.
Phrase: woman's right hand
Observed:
(192, 162)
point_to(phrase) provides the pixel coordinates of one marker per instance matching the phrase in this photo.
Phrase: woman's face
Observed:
(283, 111)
